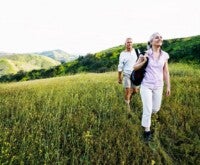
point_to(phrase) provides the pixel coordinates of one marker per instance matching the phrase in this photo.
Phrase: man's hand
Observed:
(120, 77)
(120, 80)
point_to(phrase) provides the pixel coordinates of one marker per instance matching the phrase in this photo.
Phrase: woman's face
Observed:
(157, 40)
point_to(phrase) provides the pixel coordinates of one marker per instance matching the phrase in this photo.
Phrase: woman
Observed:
(152, 85)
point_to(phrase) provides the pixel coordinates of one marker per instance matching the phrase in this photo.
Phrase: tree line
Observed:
(180, 50)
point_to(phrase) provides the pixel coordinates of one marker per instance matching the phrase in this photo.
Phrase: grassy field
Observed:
(82, 119)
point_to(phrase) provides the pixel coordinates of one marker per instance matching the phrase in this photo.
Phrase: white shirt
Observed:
(126, 61)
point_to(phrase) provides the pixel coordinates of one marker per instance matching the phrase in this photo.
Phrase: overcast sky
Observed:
(83, 26)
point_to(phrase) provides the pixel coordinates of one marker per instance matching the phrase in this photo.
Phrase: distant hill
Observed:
(5, 54)
(179, 49)
(59, 55)
(11, 64)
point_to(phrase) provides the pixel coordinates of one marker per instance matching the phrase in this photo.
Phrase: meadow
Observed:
(82, 119)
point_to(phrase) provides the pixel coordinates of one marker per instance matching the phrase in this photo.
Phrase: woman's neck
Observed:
(156, 49)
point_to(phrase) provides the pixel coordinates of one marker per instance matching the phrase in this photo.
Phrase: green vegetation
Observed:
(6, 66)
(11, 64)
(180, 50)
(183, 49)
(82, 119)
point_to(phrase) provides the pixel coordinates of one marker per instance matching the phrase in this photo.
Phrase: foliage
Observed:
(183, 49)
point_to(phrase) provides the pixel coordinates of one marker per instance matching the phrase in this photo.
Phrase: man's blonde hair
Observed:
(129, 38)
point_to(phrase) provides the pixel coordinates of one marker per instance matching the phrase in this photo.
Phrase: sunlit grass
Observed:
(82, 119)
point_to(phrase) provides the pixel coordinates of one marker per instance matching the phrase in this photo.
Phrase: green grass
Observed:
(82, 119)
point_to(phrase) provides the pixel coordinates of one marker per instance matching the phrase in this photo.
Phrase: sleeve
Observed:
(121, 63)
(166, 57)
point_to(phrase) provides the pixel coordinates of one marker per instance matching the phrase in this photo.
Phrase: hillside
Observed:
(180, 50)
(82, 119)
(59, 55)
(11, 64)
(4, 53)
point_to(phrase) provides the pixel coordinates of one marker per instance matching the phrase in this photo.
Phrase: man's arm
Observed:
(119, 77)
(120, 68)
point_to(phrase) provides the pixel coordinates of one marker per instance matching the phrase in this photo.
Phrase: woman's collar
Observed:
(151, 51)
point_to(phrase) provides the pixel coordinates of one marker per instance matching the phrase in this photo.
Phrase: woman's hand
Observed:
(142, 58)
(168, 92)
(141, 61)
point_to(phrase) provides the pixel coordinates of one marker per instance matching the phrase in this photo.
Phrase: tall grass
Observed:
(82, 119)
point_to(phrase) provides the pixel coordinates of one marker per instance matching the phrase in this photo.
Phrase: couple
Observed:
(151, 88)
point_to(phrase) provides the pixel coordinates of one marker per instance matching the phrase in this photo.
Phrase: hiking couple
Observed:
(151, 88)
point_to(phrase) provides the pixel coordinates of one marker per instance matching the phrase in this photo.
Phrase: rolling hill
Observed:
(11, 64)
(59, 55)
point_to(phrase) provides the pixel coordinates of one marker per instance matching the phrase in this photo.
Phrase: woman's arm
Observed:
(167, 78)
(140, 62)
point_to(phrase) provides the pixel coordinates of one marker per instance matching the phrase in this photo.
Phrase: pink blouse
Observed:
(154, 70)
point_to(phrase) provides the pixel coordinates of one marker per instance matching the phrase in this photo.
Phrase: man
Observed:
(127, 60)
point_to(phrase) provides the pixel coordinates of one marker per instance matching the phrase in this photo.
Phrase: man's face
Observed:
(129, 44)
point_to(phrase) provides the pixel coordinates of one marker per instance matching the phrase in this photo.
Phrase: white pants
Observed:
(151, 100)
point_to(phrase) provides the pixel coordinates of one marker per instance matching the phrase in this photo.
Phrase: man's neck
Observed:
(128, 50)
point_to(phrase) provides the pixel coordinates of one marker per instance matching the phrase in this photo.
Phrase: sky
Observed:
(89, 26)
